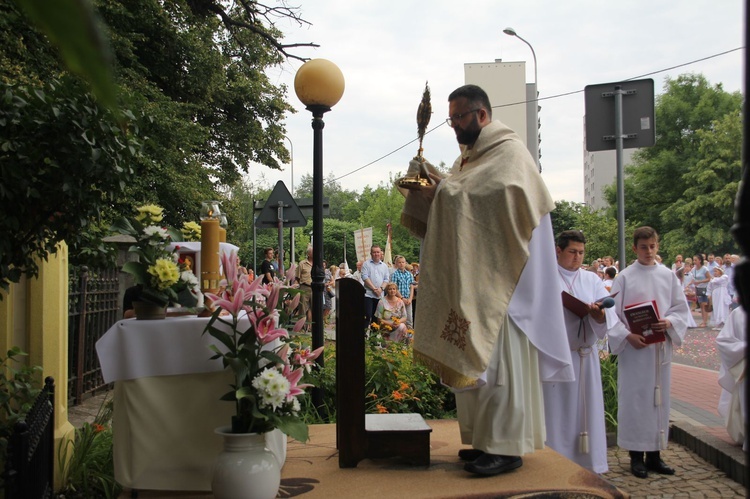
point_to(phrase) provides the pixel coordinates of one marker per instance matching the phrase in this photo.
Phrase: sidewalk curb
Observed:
(724, 456)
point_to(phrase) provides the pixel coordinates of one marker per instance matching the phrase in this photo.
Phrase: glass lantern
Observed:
(210, 209)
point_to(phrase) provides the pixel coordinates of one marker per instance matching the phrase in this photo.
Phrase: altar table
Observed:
(166, 403)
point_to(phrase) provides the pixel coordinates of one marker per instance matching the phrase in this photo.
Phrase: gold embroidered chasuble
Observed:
(475, 248)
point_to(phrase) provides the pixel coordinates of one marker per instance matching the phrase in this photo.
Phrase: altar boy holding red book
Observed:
(644, 369)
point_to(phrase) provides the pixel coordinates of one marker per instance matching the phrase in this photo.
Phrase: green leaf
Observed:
(293, 427)
(73, 26)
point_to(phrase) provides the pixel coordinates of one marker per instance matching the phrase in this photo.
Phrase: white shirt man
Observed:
(574, 412)
(375, 275)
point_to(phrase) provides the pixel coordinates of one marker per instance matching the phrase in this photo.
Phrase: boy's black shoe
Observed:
(637, 466)
(493, 464)
(655, 464)
(469, 454)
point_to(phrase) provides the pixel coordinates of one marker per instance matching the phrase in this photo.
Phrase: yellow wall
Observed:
(34, 316)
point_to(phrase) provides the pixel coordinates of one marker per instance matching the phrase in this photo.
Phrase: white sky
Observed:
(387, 50)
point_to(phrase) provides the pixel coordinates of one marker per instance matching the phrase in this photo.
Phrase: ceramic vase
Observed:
(149, 311)
(245, 469)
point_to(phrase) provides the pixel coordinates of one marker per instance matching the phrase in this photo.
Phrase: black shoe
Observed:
(491, 464)
(658, 466)
(469, 454)
(638, 468)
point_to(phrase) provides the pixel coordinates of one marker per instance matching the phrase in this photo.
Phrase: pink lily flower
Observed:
(299, 324)
(257, 290)
(294, 377)
(267, 328)
(273, 295)
(229, 265)
(232, 305)
(291, 273)
(294, 303)
(304, 357)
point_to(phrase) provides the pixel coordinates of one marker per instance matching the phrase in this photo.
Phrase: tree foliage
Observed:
(62, 158)
(684, 186)
(599, 228)
(193, 72)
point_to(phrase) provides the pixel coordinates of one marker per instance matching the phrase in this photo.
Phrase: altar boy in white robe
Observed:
(644, 370)
(574, 412)
(731, 343)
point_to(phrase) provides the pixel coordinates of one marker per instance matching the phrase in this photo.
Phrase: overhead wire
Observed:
(555, 96)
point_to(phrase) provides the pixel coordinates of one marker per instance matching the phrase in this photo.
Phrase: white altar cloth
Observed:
(166, 403)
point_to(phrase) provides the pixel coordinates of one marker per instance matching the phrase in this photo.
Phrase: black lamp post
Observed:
(319, 84)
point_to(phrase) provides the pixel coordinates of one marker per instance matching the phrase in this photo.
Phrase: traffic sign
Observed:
(280, 207)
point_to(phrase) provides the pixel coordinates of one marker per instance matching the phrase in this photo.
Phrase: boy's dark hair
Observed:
(570, 236)
(644, 232)
(475, 95)
(611, 272)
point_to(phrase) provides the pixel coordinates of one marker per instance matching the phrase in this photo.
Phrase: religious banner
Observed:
(362, 243)
(388, 256)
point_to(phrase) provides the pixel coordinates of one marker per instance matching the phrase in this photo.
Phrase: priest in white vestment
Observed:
(644, 370)
(574, 412)
(492, 335)
(731, 343)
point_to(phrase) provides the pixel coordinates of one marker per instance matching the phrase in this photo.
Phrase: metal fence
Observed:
(29, 469)
(93, 297)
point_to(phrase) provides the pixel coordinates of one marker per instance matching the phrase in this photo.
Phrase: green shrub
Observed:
(87, 463)
(608, 365)
(393, 383)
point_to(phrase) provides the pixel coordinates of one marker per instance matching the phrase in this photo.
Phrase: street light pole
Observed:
(291, 242)
(319, 84)
(532, 125)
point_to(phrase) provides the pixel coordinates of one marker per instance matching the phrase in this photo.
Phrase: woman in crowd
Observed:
(392, 312)
(701, 278)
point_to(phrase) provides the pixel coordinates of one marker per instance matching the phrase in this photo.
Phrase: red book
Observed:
(640, 317)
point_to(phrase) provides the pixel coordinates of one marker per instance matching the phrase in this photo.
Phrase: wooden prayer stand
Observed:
(358, 435)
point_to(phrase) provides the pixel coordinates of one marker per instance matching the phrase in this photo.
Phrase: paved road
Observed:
(699, 348)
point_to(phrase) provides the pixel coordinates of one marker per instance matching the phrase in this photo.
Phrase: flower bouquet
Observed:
(162, 277)
(266, 362)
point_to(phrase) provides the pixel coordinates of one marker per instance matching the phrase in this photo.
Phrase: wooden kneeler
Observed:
(359, 435)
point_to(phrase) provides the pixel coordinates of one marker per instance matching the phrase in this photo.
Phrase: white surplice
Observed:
(644, 375)
(505, 415)
(571, 409)
(718, 289)
(731, 343)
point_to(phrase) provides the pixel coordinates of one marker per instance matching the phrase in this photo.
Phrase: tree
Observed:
(656, 180)
(63, 160)
(661, 181)
(565, 216)
(338, 198)
(193, 74)
(705, 214)
(599, 228)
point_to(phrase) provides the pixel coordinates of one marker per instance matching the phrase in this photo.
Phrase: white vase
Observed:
(245, 469)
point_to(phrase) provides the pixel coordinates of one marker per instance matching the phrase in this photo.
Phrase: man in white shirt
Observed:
(375, 275)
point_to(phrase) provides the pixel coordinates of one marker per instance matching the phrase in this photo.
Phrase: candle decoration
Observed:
(210, 275)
